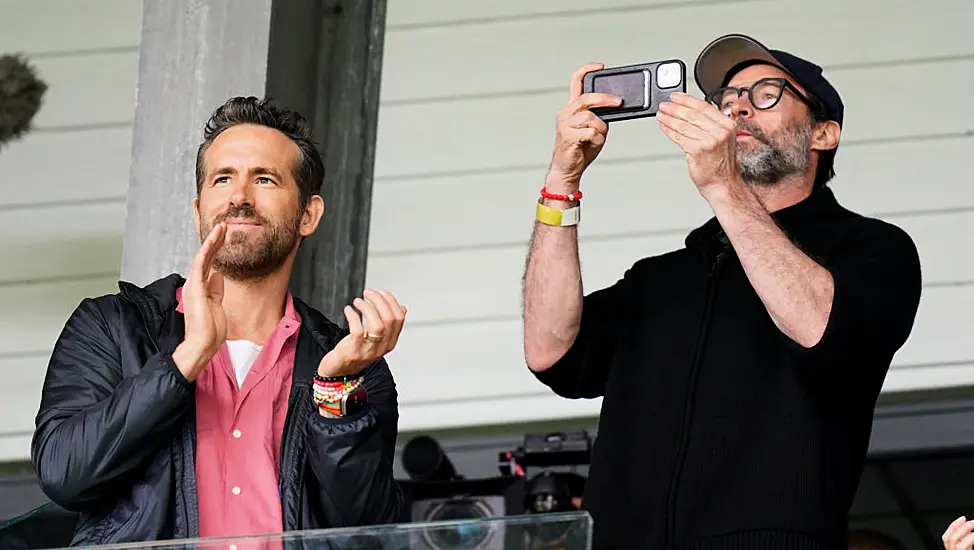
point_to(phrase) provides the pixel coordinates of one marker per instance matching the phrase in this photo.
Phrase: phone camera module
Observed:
(668, 75)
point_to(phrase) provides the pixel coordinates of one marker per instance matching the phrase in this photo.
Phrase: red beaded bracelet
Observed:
(577, 195)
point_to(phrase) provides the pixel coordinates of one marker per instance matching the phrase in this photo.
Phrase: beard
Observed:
(253, 255)
(776, 156)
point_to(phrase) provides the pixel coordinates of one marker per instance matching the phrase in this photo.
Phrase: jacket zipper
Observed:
(669, 522)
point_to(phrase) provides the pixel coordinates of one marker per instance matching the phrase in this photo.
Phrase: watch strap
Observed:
(558, 218)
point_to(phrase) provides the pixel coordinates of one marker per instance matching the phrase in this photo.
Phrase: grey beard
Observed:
(771, 160)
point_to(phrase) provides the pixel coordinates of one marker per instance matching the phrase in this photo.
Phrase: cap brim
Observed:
(725, 53)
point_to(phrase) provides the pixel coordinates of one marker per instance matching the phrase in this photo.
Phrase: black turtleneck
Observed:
(718, 431)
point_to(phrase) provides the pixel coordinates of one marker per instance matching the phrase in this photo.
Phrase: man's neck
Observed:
(787, 192)
(254, 308)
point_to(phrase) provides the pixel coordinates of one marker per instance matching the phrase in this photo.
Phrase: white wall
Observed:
(62, 187)
(465, 134)
(468, 99)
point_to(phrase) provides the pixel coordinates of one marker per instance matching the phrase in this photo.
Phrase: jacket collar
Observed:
(157, 302)
(819, 205)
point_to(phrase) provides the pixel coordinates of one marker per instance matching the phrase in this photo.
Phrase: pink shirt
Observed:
(238, 435)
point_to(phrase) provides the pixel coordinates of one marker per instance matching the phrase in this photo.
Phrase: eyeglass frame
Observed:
(783, 84)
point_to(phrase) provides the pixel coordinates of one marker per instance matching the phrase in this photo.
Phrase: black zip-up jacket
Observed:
(116, 435)
(718, 431)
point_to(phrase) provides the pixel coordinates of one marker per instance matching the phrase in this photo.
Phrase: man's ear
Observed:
(825, 136)
(313, 213)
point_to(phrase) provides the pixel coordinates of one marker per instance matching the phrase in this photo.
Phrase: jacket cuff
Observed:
(362, 420)
(167, 360)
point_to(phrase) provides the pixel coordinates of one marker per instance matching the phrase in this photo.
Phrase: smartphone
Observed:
(642, 87)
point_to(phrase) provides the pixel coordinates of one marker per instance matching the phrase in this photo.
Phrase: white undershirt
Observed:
(243, 353)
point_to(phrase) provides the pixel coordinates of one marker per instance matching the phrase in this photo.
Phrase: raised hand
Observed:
(360, 348)
(959, 535)
(579, 134)
(707, 136)
(206, 322)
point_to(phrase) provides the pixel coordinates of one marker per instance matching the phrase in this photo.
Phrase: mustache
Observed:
(240, 212)
(754, 130)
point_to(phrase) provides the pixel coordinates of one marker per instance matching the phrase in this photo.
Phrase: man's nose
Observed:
(241, 195)
(741, 107)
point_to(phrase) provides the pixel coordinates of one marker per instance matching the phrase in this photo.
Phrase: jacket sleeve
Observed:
(352, 458)
(94, 425)
(583, 370)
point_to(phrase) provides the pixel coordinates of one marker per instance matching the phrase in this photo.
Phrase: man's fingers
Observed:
(588, 119)
(575, 87)
(372, 319)
(214, 241)
(966, 543)
(688, 115)
(702, 107)
(398, 314)
(354, 323)
(960, 532)
(592, 100)
(381, 306)
(214, 287)
(681, 127)
(203, 260)
(398, 310)
(950, 528)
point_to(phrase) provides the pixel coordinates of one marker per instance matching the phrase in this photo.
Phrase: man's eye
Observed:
(222, 179)
(265, 180)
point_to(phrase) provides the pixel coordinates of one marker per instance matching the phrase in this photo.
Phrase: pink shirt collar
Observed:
(289, 312)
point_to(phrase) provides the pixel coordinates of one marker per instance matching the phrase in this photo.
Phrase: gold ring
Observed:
(372, 337)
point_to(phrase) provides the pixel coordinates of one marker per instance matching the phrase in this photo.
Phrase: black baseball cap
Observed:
(727, 55)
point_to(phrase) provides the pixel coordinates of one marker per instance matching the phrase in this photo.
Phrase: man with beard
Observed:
(220, 405)
(739, 373)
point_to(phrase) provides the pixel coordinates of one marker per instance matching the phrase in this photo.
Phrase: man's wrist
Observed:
(729, 196)
(336, 366)
(189, 360)
(561, 184)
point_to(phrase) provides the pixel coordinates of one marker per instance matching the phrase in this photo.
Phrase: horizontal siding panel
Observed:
(645, 196)
(929, 377)
(15, 447)
(56, 26)
(484, 361)
(67, 166)
(505, 132)
(88, 89)
(942, 331)
(34, 314)
(23, 379)
(439, 12)
(62, 241)
(537, 54)
(437, 286)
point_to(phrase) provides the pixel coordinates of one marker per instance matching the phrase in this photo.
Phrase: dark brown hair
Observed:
(309, 171)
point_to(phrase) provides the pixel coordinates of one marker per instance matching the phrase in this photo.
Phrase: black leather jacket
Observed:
(115, 435)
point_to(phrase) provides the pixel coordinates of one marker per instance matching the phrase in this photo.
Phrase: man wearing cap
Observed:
(738, 373)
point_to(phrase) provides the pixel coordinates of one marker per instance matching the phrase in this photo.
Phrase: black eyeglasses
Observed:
(764, 94)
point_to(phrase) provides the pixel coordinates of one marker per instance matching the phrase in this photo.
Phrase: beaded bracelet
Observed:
(577, 195)
(334, 392)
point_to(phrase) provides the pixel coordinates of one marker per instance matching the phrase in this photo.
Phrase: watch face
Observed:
(355, 402)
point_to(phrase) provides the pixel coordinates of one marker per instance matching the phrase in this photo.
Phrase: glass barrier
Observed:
(555, 531)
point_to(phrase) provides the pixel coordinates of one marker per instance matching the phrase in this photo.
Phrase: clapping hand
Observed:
(361, 347)
(206, 322)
